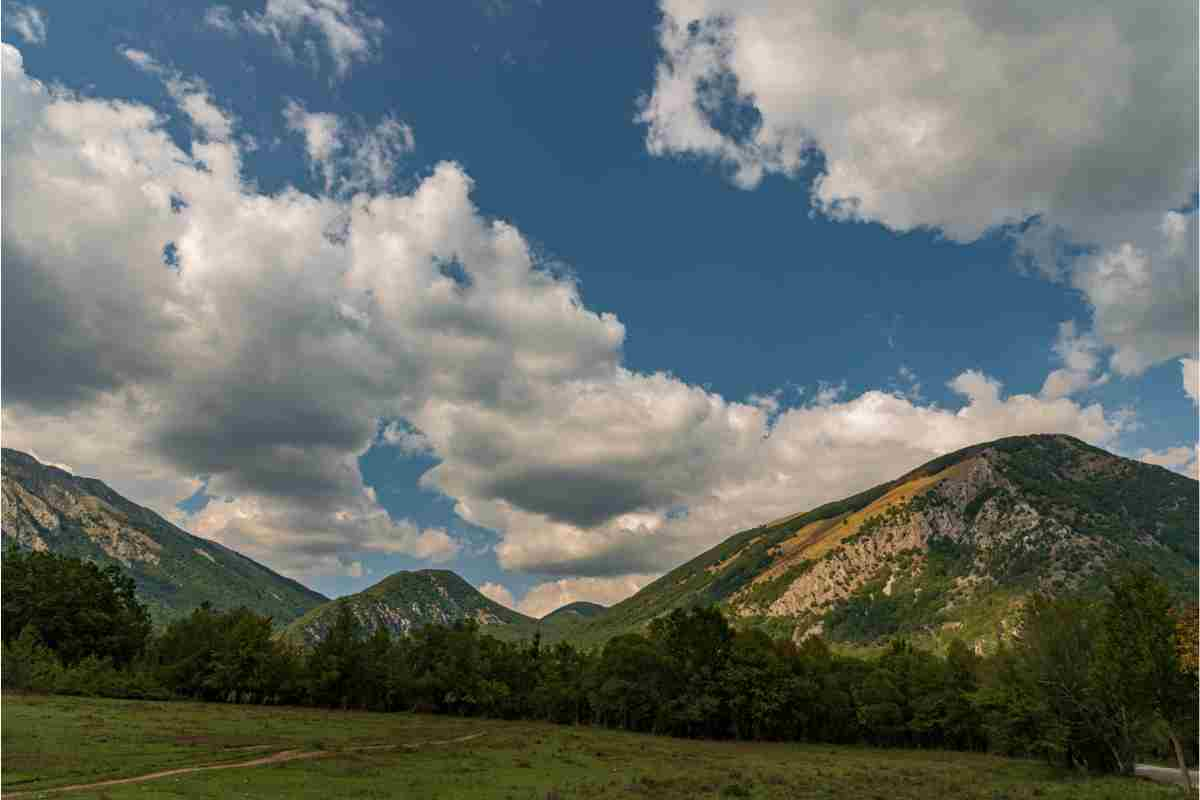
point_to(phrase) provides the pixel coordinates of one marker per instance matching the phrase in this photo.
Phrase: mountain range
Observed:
(949, 549)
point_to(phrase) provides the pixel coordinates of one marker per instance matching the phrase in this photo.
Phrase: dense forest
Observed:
(1091, 685)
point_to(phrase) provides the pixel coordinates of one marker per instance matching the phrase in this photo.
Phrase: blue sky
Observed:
(691, 182)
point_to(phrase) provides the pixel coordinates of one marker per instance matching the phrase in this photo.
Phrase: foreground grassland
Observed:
(58, 741)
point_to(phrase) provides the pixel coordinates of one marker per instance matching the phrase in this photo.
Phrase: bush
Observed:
(28, 665)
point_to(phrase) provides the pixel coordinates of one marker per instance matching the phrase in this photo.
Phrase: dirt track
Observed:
(275, 758)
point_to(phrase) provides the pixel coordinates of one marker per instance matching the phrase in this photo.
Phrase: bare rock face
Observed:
(969, 504)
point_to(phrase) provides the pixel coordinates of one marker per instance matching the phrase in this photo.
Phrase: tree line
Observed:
(1093, 685)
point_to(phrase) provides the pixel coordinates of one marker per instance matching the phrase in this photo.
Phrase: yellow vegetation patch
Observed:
(782, 520)
(818, 538)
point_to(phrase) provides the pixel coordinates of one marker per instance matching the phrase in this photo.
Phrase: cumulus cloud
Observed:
(304, 542)
(306, 25)
(964, 117)
(549, 596)
(499, 593)
(1143, 290)
(543, 598)
(348, 155)
(294, 331)
(1182, 459)
(191, 94)
(1191, 378)
(28, 21)
(221, 18)
(1080, 357)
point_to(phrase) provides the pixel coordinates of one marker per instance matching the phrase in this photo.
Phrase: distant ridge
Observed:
(580, 609)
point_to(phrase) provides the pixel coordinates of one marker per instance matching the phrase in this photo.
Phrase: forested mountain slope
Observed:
(46, 508)
(947, 550)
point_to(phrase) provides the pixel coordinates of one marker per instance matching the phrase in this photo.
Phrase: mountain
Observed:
(46, 508)
(949, 549)
(406, 600)
(565, 622)
(577, 611)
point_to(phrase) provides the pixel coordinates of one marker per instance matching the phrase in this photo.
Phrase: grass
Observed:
(57, 741)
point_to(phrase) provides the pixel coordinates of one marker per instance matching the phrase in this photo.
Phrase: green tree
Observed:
(1137, 673)
(74, 607)
(335, 666)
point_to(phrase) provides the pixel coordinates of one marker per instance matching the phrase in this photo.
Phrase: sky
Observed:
(559, 295)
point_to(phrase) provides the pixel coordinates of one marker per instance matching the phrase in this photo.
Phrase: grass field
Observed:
(58, 741)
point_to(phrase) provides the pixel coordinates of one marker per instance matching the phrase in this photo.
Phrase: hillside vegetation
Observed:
(406, 600)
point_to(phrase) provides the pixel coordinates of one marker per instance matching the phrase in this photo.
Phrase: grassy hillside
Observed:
(46, 508)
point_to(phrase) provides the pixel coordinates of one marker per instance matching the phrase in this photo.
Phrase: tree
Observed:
(1137, 673)
(695, 645)
(74, 607)
(335, 665)
(629, 683)
(1044, 698)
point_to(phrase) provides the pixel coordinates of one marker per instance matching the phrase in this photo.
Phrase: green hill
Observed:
(406, 600)
(578, 611)
(46, 508)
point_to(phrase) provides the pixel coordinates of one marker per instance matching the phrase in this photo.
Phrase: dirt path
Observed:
(275, 758)
(1165, 774)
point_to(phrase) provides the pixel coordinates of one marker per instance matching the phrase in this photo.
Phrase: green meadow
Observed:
(54, 742)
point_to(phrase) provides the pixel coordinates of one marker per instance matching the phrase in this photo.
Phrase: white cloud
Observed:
(1143, 291)
(543, 598)
(294, 327)
(962, 117)
(347, 35)
(350, 156)
(1191, 378)
(499, 593)
(1182, 459)
(191, 94)
(1080, 356)
(909, 377)
(221, 18)
(28, 21)
(314, 542)
(549, 596)
(405, 438)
